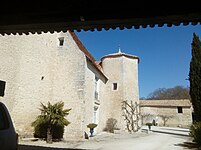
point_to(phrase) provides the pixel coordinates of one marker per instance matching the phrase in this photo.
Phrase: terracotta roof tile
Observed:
(98, 63)
(120, 54)
(81, 46)
(87, 53)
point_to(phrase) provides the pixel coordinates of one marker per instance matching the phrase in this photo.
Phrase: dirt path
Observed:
(154, 141)
(105, 141)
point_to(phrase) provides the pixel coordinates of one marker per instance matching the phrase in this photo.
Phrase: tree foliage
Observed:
(195, 132)
(177, 92)
(52, 115)
(195, 77)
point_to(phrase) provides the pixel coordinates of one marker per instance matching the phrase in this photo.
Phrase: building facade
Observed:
(172, 113)
(37, 68)
(121, 69)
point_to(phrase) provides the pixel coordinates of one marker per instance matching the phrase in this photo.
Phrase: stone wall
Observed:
(124, 72)
(174, 119)
(37, 69)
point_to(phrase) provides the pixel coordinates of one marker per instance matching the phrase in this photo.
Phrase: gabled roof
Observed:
(165, 103)
(82, 47)
(87, 53)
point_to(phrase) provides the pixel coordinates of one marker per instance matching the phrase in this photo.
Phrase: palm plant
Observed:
(52, 114)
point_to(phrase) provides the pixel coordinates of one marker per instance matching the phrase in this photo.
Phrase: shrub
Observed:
(40, 131)
(111, 125)
(149, 124)
(195, 132)
(52, 120)
(91, 125)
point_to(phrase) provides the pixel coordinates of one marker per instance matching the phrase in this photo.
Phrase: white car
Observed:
(8, 135)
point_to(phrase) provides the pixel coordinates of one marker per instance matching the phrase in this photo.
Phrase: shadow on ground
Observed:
(28, 147)
(189, 145)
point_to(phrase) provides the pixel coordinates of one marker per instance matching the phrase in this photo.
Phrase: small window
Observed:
(179, 109)
(96, 88)
(61, 41)
(2, 87)
(114, 86)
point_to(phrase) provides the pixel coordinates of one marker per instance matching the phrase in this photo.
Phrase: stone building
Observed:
(173, 113)
(37, 68)
(121, 69)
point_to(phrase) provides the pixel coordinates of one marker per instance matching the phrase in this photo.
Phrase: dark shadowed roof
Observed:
(36, 16)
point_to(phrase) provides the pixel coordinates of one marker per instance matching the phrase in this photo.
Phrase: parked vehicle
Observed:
(8, 135)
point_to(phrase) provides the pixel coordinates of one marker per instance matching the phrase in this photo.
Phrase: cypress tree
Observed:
(195, 77)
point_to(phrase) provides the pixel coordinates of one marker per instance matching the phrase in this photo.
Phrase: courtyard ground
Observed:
(160, 138)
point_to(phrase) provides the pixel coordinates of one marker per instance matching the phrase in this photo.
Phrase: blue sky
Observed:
(164, 52)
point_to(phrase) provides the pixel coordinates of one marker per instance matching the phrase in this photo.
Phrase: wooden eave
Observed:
(77, 15)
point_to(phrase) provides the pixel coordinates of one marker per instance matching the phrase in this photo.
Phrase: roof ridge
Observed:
(86, 52)
(121, 54)
(81, 46)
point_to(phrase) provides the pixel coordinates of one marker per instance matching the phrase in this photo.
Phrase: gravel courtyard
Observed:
(159, 138)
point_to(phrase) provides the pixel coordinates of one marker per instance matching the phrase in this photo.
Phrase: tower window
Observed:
(114, 86)
(179, 109)
(61, 41)
(2, 87)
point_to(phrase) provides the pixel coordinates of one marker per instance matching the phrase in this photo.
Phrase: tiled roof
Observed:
(165, 103)
(98, 63)
(87, 53)
(120, 54)
(81, 46)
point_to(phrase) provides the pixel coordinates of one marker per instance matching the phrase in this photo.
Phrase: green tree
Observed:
(195, 77)
(52, 114)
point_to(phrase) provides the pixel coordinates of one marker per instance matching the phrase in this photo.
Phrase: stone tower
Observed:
(122, 72)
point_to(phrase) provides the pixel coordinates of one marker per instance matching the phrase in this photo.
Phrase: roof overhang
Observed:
(120, 54)
(24, 17)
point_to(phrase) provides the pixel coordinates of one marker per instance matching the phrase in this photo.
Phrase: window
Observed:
(2, 87)
(179, 109)
(95, 116)
(114, 86)
(61, 41)
(96, 89)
